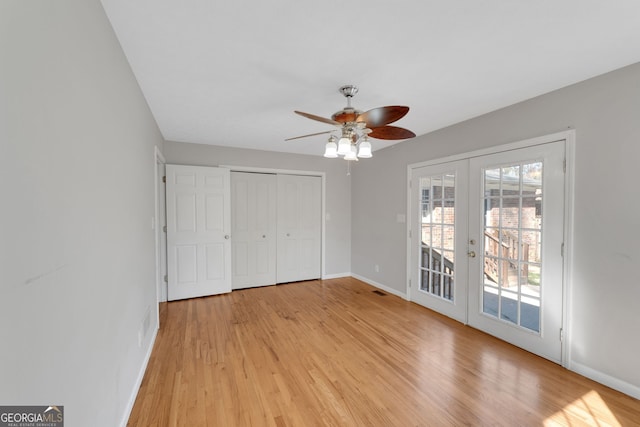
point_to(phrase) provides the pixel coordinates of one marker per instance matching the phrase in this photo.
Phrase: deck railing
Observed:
(441, 272)
(507, 270)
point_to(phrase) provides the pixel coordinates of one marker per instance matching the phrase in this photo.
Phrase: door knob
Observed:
(264, 236)
(226, 236)
(472, 254)
(288, 234)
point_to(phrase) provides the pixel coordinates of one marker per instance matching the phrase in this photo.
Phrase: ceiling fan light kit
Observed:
(364, 150)
(344, 145)
(331, 150)
(357, 127)
(351, 155)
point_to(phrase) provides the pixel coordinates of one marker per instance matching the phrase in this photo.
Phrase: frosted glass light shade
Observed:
(351, 155)
(344, 146)
(365, 149)
(331, 150)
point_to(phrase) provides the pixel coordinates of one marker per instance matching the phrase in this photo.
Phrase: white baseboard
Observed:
(380, 286)
(136, 388)
(608, 380)
(335, 276)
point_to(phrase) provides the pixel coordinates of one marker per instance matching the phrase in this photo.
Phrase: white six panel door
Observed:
(253, 224)
(299, 228)
(198, 231)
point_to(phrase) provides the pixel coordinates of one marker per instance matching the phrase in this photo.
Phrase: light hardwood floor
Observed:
(335, 353)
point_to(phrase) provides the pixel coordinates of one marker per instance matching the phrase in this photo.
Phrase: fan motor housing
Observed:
(346, 115)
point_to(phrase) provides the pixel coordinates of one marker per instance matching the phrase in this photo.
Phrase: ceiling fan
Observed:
(356, 127)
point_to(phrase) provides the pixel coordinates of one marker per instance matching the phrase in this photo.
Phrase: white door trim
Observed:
(569, 136)
(567, 265)
(323, 175)
(158, 159)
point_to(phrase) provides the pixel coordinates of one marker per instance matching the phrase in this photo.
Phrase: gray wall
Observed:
(338, 187)
(76, 177)
(604, 305)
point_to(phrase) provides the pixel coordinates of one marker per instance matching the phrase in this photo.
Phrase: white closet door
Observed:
(198, 231)
(253, 225)
(299, 228)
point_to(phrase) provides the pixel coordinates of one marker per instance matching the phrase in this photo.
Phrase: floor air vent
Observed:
(377, 292)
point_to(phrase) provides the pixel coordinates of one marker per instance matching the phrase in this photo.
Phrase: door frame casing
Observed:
(569, 136)
(322, 175)
(158, 159)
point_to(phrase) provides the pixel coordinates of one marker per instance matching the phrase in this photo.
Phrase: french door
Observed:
(516, 229)
(440, 238)
(489, 251)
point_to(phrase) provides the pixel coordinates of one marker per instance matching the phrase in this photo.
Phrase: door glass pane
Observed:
(509, 307)
(448, 233)
(511, 243)
(437, 223)
(424, 279)
(436, 238)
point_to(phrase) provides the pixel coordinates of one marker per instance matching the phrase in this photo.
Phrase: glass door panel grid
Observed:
(437, 229)
(512, 242)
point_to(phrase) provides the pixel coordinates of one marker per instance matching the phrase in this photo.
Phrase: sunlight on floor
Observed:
(589, 410)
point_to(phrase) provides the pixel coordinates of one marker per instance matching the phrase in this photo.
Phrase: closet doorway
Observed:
(276, 228)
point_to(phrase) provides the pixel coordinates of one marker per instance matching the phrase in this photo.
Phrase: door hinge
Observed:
(409, 233)
(409, 282)
(164, 228)
(562, 250)
(164, 179)
(410, 183)
(561, 334)
(564, 165)
(166, 279)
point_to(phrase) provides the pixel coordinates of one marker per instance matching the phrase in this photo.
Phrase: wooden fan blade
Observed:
(391, 132)
(311, 134)
(381, 116)
(318, 118)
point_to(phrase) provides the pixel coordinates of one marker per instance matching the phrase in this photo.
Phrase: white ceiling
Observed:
(232, 72)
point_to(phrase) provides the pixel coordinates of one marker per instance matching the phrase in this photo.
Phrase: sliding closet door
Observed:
(299, 228)
(253, 229)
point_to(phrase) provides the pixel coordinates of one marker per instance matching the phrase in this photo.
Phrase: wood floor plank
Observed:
(334, 353)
